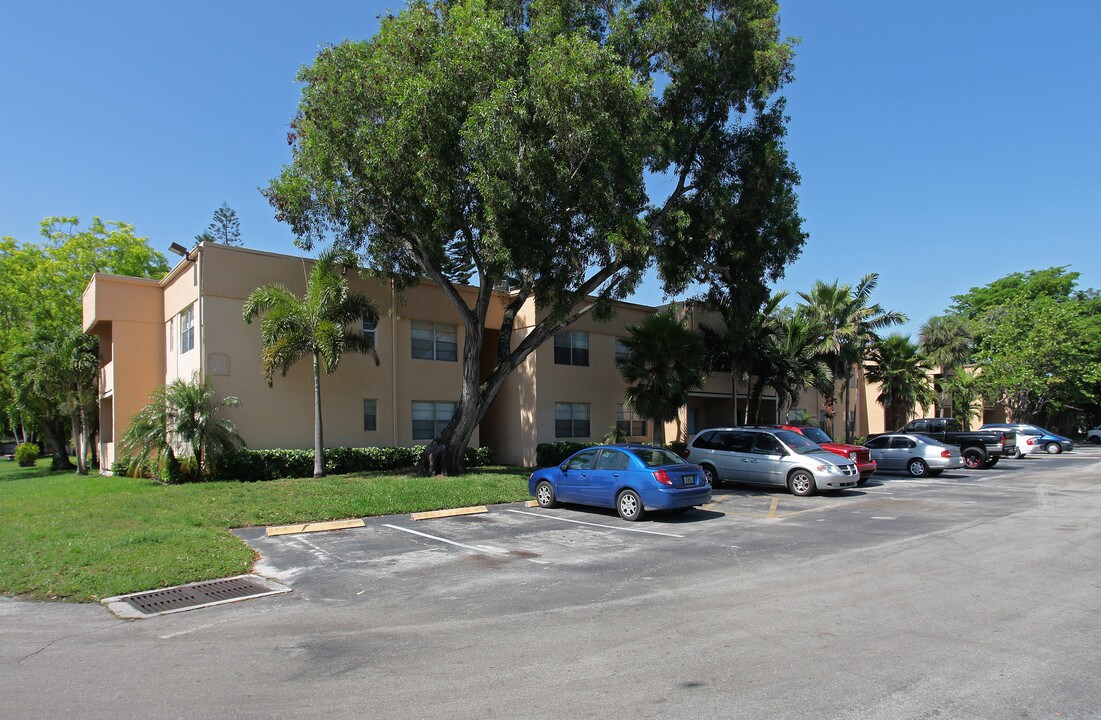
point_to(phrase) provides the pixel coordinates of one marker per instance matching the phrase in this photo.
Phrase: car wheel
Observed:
(629, 505)
(935, 473)
(991, 462)
(544, 494)
(917, 468)
(1018, 455)
(801, 483)
(1053, 449)
(974, 458)
(1095, 440)
(711, 476)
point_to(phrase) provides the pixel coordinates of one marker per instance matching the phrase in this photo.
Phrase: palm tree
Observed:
(965, 388)
(850, 324)
(666, 362)
(323, 325)
(796, 362)
(948, 342)
(737, 347)
(900, 369)
(185, 413)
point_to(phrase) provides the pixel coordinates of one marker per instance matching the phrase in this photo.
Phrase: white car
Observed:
(1094, 435)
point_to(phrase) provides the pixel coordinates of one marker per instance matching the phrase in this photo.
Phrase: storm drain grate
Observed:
(199, 594)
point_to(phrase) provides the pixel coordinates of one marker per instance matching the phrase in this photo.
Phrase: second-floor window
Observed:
(571, 348)
(622, 352)
(370, 329)
(435, 341)
(187, 329)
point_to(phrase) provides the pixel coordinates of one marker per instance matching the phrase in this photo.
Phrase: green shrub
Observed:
(26, 454)
(253, 465)
(677, 447)
(548, 454)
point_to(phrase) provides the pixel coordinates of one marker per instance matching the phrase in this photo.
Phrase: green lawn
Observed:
(85, 538)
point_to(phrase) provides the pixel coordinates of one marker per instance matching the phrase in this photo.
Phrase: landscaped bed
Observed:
(67, 537)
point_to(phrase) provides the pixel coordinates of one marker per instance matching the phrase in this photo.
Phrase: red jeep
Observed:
(857, 453)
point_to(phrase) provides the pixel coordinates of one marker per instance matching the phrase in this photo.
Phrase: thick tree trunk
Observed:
(78, 446)
(318, 434)
(55, 433)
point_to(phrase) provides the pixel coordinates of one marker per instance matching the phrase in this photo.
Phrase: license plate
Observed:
(689, 480)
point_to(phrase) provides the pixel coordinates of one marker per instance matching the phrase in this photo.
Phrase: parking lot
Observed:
(974, 594)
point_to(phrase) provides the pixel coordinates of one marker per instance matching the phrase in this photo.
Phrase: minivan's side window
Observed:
(765, 444)
(706, 441)
(736, 442)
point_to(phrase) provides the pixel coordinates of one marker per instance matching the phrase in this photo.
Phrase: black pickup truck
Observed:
(979, 448)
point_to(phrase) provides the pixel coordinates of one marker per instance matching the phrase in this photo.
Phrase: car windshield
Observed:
(815, 434)
(797, 442)
(656, 457)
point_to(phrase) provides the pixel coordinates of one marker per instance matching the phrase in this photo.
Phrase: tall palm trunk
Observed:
(318, 435)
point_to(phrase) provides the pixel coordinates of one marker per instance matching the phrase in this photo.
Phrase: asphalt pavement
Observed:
(970, 595)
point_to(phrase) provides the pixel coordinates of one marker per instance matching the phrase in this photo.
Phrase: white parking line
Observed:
(581, 522)
(476, 548)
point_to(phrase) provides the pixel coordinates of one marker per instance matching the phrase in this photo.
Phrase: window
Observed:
(629, 422)
(622, 352)
(902, 443)
(764, 444)
(370, 415)
(571, 348)
(734, 442)
(187, 329)
(571, 420)
(582, 460)
(612, 460)
(435, 341)
(370, 328)
(879, 443)
(430, 418)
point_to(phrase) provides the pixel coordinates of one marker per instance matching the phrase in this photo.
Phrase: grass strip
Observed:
(75, 538)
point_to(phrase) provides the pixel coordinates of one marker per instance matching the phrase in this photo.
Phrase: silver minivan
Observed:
(767, 456)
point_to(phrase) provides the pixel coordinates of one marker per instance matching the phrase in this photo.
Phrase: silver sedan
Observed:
(917, 455)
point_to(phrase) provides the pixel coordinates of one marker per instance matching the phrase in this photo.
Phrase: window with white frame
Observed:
(571, 348)
(187, 329)
(627, 420)
(571, 420)
(370, 415)
(622, 352)
(435, 341)
(430, 418)
(370, 329)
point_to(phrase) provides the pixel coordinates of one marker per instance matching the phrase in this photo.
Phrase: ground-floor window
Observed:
(571, 420)
(370, 415)
(627, 420)
(430, 418)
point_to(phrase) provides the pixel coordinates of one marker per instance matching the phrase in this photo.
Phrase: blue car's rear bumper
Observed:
(670, 498)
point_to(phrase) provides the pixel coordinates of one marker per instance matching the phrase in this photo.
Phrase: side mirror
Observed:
(563, 467)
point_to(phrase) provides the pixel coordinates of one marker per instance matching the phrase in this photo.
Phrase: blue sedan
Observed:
(630, 478)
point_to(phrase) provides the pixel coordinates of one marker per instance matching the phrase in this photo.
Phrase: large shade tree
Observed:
(322, 326)
(509, 143)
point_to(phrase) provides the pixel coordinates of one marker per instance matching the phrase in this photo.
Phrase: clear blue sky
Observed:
(942, 144)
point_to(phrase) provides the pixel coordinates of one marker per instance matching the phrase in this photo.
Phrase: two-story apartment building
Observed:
(152, 332)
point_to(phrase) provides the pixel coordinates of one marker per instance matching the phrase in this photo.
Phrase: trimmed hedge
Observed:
(26, 454)
(554, 453)
(253, 465)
